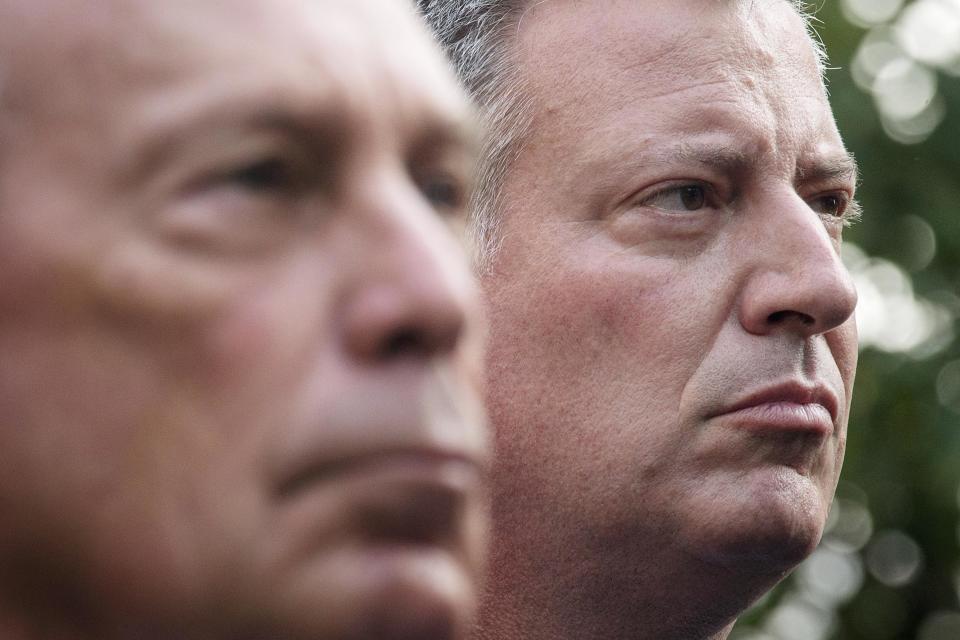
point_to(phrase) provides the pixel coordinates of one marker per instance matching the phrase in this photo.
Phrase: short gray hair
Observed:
(477, 35)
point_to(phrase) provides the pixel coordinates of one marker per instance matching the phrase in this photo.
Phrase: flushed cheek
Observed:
(252, 337)
(276, 333)
(646, 312)
(600, 350)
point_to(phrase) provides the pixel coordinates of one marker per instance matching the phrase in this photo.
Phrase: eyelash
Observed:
(270, 174)
(276, 175)
(709, 195)
(444, 191)
(850, 210)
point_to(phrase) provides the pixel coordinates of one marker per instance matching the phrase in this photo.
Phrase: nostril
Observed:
(781, 317)
(403, 342)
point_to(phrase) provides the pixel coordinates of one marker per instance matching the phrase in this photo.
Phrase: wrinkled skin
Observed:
(239, 384)
(670, 246)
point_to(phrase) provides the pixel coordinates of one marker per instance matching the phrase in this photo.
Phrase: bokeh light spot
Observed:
(894, 559)
(940, 625)
(929, 30)
(867, 13)
(919, 242)
(948, 389)
(877, 49)
(796, 618)
(904, 89)
(916, 129)
(850, 526)
(831, 577)
(889, 316)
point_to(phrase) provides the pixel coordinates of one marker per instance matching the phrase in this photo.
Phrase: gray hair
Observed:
(477, 35)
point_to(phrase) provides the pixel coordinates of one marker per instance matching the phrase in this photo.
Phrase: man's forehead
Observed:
(652, 35)
(668, 95)
(685, 53)
(307, 52)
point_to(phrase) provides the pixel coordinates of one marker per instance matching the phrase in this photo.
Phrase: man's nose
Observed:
(414, 295)
(797, 280)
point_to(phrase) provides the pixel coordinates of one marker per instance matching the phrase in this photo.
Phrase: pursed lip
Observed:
(792, 406)
(412, 496)
(456, 470)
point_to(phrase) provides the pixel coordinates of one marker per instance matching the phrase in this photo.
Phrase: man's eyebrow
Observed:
(841, 167)
(731, 159)
(325, 122)
(437, 124)
(161, 138)
(720, 156)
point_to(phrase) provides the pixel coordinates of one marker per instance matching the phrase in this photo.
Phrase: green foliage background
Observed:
(903, 453)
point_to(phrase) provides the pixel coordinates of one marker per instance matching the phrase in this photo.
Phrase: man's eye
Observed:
(443, 192)
(833, 204)
(269, 174)
(687, 197)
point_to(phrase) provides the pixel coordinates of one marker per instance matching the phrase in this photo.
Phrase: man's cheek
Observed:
(634, 305)
(206, 322)
(263, 338)
(147, 282)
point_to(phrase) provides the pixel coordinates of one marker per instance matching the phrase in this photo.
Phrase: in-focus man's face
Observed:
(673, 348)
(237, 390)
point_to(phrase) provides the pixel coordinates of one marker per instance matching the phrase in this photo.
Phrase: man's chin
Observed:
(424, 593)
(388, 592)
(767, 521)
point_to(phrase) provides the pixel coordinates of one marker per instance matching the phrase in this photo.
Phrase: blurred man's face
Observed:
(672, 340)
(238, 336)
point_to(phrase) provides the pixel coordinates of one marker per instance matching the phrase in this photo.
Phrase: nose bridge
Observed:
(411, 293)
(797, 280)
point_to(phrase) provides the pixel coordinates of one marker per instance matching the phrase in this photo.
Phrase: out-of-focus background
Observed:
(889, 564)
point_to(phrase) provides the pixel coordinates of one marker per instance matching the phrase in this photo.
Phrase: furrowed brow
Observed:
(324, 126)
(449, 133)
(723, 157)
(839, 168)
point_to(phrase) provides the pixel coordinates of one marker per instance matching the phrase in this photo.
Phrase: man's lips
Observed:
(789, 407)
(421, 464)
(410, 496)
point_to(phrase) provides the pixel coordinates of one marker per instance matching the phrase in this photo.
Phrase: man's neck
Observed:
(57, 623)
(17, 626)
(558, 597)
